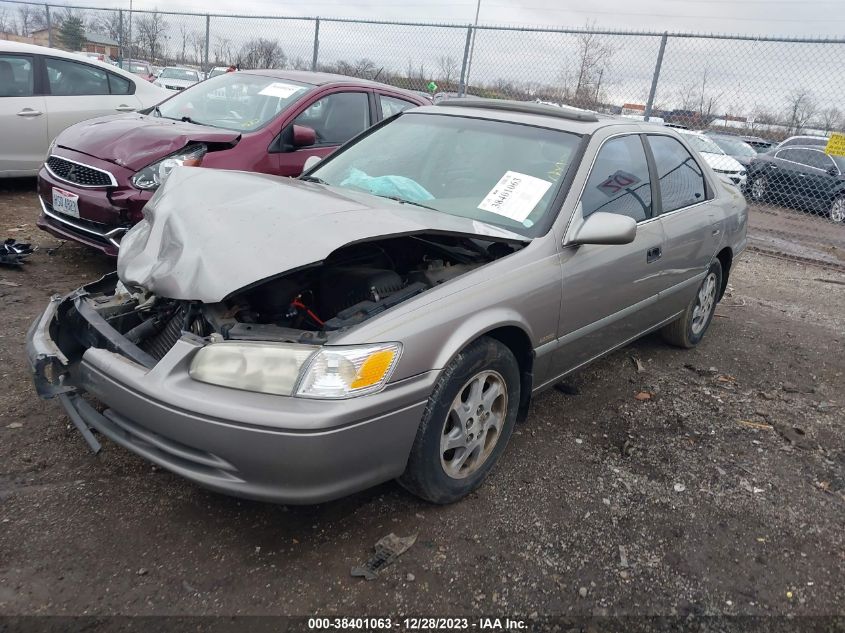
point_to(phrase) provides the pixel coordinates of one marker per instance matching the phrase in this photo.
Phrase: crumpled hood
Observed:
(208, 233)
(136, 140)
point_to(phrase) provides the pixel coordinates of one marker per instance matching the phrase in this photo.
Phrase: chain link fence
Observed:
(746, 94)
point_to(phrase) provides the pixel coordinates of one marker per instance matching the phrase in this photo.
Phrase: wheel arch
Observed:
(725, 257)
(518, 342)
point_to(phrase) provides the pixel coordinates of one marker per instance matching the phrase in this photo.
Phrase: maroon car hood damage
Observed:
(134, 141)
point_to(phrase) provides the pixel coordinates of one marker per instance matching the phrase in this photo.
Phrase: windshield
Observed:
(139, 68)
(234, 101)
(702, 144)
(734, 147)
(840, 162)
(500, 173)
(216, 71)
(179, 73)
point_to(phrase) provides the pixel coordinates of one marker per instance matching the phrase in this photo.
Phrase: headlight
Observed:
(302, 370)
(152, 176)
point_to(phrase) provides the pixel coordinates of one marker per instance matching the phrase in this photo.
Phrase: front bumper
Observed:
(252, 445)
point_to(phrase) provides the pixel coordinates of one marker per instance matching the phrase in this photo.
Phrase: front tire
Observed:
(759, 188)
(466, 425)
(689, 329)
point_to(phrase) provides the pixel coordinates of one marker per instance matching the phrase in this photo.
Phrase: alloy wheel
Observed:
(704, 304)
(837, 210)
(758, 189)
(474, 424)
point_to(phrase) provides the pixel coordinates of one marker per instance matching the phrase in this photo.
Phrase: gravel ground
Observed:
(721, 490)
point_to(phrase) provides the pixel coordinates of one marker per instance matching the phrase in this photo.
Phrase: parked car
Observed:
(803, 141)
(100, 174)
(140, 68)
(727, 168)
(392, 312)
(175, 78)
(100, 57)
(217, 70)
(760, 145)
(735, 147)
(44, 90)
(805, 177)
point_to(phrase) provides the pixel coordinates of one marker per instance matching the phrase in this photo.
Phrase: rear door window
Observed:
(619, 180)
(680, 177)
(16, 76)
(337, 117)
(392, 105)
(70, 79)
(119, 85)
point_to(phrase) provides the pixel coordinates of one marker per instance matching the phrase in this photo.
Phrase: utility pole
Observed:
(472, 45)
(125, 67)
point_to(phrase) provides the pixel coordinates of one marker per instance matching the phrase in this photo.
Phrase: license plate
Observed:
(65, 202)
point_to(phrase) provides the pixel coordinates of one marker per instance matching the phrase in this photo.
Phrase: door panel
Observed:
(23, 117)
(610, 291)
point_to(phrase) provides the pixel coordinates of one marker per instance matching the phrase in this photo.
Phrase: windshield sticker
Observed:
(280, 90)
(515, 196)
(617, 182)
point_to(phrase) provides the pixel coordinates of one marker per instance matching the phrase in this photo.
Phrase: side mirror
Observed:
(303, 136)
(606, 228)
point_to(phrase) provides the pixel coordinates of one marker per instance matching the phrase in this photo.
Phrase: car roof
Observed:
(33, 49)
(566, 119)
(323, 79)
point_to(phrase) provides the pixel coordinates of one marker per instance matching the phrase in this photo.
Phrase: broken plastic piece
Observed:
(386, 550)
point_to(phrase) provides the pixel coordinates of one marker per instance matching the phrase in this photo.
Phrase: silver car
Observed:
(391, 313)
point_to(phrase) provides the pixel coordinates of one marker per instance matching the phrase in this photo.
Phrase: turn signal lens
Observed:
(345, 372)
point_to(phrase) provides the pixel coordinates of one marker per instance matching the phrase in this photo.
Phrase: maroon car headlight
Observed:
(153, 175)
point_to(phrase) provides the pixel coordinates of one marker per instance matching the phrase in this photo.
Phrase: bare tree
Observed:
(222, 50)
(151, 34)
(261, 53)
(449, 70)
(197, 42)
(184, 35)
(300, 64)
(7, 24)
(708, 101)
(594, 54)
(831, 119)
(801, 107)
(26, 19)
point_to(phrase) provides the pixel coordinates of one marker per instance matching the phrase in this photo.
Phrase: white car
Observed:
(217, 70)
(44, 90)
(728, 169)
(173, 78)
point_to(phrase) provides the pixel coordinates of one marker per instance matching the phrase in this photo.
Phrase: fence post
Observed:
(316, 44)
(650, 103)
(120, 38)
(462, 87)
(49, 25)
(207, 41)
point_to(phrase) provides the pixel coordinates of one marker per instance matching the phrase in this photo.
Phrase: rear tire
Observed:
(688, 330)
(466, 425)
(837, 209)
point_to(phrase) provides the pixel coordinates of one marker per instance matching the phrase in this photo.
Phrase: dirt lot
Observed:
(724, 492)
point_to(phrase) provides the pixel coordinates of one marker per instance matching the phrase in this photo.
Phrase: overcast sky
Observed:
(824, 18)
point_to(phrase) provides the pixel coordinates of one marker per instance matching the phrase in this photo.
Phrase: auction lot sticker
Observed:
(836, 145)
(280, 90)
(515, 195)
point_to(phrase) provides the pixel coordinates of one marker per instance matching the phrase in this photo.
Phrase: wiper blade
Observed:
(403, 201)
(319, 181)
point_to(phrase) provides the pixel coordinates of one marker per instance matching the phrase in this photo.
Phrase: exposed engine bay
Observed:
(355, 283)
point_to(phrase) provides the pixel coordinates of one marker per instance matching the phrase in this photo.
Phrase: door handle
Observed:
(802, 175)
(125, 108)
(29, 112)
(653, 254)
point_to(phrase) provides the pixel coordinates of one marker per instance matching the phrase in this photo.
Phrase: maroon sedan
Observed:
(99, 174)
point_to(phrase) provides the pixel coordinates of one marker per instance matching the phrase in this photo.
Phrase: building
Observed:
(94, 42)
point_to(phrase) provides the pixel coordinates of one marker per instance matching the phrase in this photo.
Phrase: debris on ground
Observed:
(567, 388)
(13, 253)
(701, 371)
(386, 550)
(642, 396)
(3, 282)
(638, 364)
(756, 425)
(679, 487)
